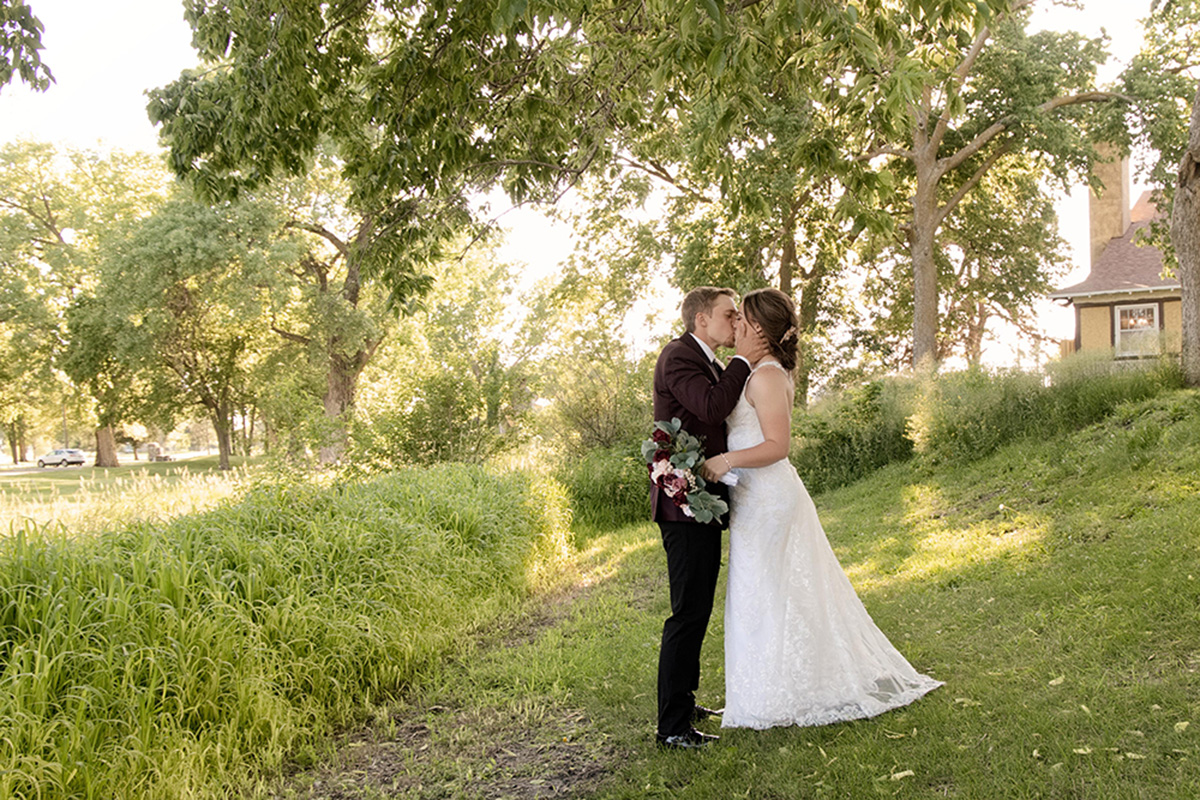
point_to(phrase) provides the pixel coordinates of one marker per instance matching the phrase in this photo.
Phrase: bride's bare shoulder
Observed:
(768, 378)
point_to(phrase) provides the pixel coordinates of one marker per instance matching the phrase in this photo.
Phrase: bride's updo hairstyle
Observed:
(773, 312)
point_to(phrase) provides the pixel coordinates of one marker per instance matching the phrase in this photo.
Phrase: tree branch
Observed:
(972, 182)
(971, 148)
(323, 232)
(887, 150)
(661, 172)
(292, 337)
(956, 83)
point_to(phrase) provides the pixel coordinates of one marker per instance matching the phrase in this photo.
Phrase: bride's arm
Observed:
(768, 392)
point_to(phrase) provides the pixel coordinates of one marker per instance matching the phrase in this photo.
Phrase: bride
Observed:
(800, 649)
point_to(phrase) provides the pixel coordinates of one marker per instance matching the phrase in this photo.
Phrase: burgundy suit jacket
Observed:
(686, 387)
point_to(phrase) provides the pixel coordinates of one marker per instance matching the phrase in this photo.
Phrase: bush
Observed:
(601, 401)
(851, 434)
(176, 660)
(446, 416)
(608, 487)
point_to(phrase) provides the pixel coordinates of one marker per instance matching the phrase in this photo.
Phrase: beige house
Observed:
(1124, 305)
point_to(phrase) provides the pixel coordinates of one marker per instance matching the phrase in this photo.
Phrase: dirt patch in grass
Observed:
(463, 755)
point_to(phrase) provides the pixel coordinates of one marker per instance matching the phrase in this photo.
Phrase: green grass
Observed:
(182, 659)
(1054, 586)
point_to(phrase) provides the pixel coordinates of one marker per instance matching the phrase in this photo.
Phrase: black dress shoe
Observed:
(700, 713)
(692, 740)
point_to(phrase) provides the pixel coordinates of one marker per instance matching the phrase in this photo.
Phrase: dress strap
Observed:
(769, 363)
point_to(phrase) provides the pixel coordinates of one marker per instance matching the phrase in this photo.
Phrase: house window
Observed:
(1137, 330)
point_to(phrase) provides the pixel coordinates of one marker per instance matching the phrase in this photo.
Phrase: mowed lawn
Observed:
(27, 481)
(1054, 587)
(84, 499)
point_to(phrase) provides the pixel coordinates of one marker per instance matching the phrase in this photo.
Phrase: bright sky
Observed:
(106, 53)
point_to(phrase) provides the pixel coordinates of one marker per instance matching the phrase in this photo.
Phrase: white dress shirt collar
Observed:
(708, 351)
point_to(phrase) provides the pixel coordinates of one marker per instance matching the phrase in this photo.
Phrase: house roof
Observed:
(1124, 267)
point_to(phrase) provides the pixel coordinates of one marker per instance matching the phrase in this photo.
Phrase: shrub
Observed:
(601, 401)
(447, 416)
(847, 436)
(174, 660)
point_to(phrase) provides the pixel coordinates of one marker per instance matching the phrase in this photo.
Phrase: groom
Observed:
(691, 384)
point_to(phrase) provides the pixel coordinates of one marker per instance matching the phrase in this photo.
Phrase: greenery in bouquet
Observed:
(674, 458)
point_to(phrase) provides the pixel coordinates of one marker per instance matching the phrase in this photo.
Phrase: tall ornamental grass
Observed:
(963, 416)
(100, 502)
(955, 416)
(849, 435)
(181, 659)
(609, 487)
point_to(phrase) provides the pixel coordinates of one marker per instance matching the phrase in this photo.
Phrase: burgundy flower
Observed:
(675, 485)
(661, 455)
(661, 436)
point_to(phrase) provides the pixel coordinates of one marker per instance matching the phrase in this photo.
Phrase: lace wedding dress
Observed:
(800, 649)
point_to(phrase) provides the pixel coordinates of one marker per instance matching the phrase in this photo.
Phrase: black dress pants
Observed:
(693, 563)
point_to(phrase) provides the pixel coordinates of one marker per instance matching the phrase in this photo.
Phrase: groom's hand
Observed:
(749, 344)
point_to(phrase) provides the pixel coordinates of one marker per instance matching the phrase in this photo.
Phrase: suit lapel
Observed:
(714, 372)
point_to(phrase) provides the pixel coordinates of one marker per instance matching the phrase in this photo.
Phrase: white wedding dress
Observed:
(800, 649)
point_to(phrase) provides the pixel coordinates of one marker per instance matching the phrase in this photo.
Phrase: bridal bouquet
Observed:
(674, 458)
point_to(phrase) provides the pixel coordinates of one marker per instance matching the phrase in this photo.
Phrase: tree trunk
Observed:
(921, 239)
(976, 327)
(339, 400)
(922, 242)
(811, 288)
(249, 423)
(106, 447)
(1185, 236)
(13, 442)
(221, 424)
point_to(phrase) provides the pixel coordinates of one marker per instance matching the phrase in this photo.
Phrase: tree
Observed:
(998, 253)
(420, 102)
(329, 303)
(955, 102)
(1166, 118)
(416, 105)
(58, 209)
(185, 291)
(20, 43)
(1185, 235)
(908, 106)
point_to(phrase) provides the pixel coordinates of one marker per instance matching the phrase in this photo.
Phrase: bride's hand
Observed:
(715, 468)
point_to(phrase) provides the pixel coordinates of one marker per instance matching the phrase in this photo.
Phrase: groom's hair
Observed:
(701, 299)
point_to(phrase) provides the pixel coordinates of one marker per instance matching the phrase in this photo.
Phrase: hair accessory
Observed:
(787, 335)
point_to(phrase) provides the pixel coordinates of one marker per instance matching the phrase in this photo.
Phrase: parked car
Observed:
(62, 458)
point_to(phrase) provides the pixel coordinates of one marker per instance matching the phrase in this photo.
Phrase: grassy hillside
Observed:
(1054, 586)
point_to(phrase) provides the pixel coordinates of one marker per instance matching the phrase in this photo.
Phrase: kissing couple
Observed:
(800, 649)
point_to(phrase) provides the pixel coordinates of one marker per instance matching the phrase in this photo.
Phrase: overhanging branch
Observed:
(975, 145)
